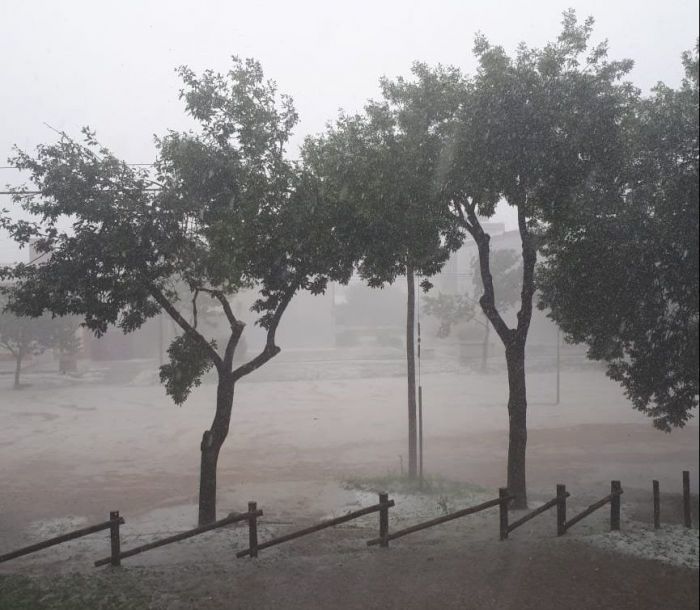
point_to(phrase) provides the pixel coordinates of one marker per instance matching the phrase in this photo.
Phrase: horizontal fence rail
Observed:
(232, 518)
(382, 506)
(538, 511)
(613, 498)
(85, 531)
(444, 519)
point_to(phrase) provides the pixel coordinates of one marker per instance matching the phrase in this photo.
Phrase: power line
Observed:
(129, 164)
(102, 191)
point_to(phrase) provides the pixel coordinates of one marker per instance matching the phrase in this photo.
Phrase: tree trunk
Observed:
(18, 368)
(485, 345)
(411, 368)
(517, 418)
(212, 440)
(513, 339)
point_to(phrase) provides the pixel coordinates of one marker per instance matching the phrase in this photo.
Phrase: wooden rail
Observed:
(383, 507)
(538, 511)
(444, 519)
(613, 498)
(113, 524)
(232, 518)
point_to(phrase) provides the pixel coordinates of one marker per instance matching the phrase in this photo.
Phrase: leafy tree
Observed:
(534, 127)
(451, 309)
(385, 165)
(621, 274)
(225, 211)
(364, 307)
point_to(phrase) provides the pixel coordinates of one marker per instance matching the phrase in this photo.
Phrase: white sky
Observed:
(111, 65)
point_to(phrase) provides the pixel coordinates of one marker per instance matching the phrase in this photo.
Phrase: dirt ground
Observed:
(72, 449)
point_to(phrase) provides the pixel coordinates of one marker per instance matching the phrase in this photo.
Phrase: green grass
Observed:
(98, 591)
(398, 483)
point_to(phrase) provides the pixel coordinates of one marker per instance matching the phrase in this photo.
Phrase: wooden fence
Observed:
(112, 525)
(251, 517)
(613, 498)
(656, 495)
(382, 508)
(558, 500)
(502, 501)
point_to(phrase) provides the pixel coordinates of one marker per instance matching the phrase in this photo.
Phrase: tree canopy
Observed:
(386, 165)
(621, 269)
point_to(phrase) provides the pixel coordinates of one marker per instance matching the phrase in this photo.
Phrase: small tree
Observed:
(23, 337)
(452, 309)
(67, 342)
(226, 211)
(621, 273)
(385, 166)
(533, 129)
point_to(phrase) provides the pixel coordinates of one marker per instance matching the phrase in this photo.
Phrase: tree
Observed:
(451, 309)
(385, 165)
(67, 342)
(533, 129)
(24, 337)
(226, 211)
(621, 274)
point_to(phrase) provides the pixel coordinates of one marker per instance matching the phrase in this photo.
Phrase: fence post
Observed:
(253, 528)
(114, 541)
(686, 499)
(657, 505)
(615, 491)
(503, 512)
(383, 520)
(561, 510)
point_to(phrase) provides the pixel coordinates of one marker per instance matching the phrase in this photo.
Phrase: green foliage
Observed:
(533, 131)
(385, 168)
(535, 126)
(621, 273)
(223, 211)
(26, 336)
(366, 307)
(107, 591)
(451, 309)
(399, 483)
(189, 361)
(23, 335)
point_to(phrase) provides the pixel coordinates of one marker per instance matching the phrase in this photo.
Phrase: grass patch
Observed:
(398, 483)
(99, 591)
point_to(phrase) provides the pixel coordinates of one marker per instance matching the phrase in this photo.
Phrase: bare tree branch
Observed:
(488, 299)
(221, 297)
(184, 324)
(270, 350)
